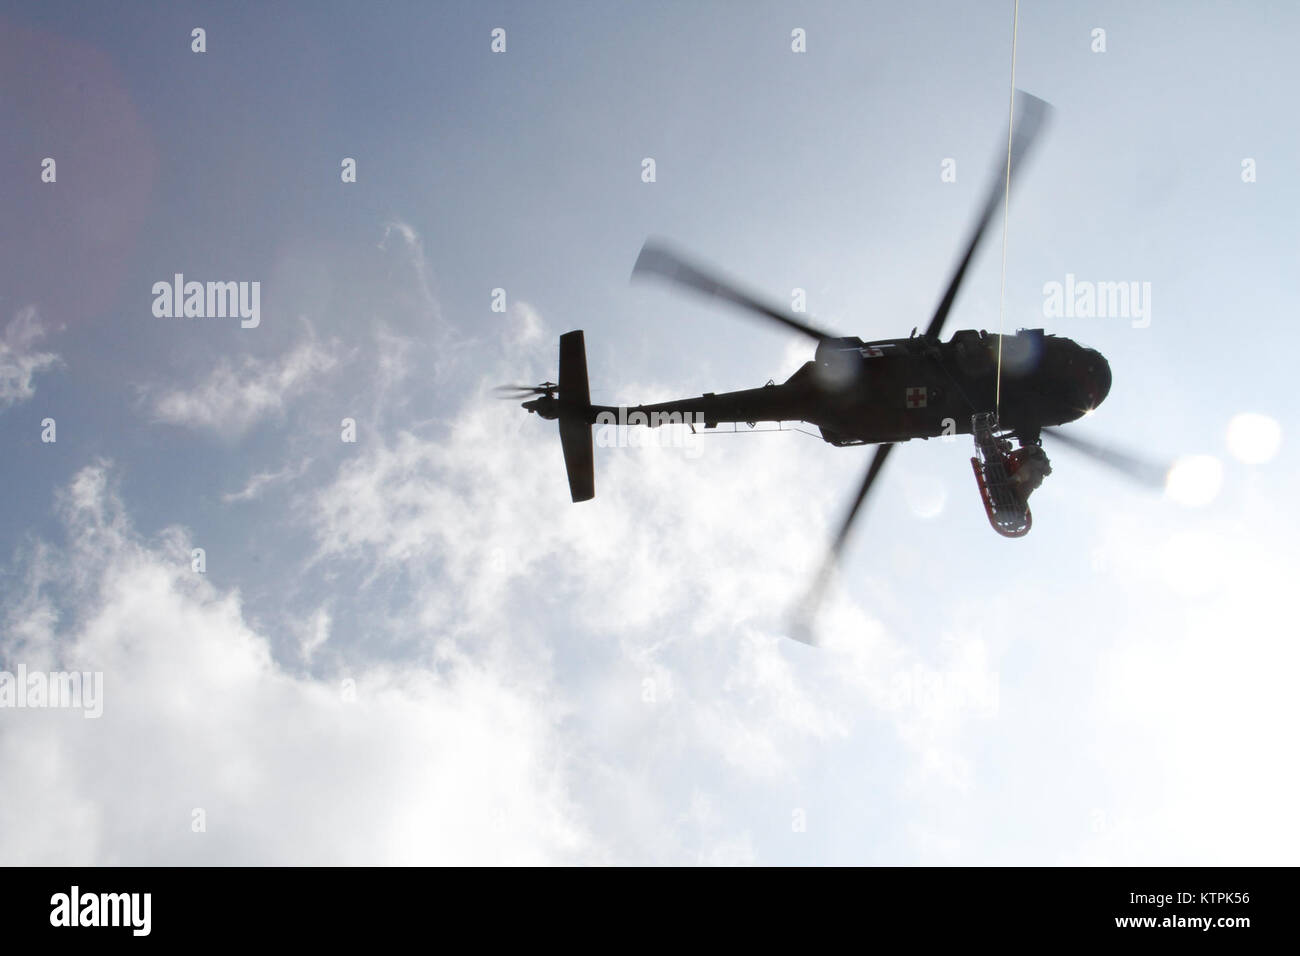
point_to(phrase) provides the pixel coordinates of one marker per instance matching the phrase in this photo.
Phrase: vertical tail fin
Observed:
(575, 428)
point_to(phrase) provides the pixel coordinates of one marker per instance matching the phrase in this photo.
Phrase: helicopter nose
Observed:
(1097, 378)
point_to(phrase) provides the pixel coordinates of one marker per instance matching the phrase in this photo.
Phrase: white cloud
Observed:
(258, 483)
(525, 325)
(446, 765)
(19, 362)
(611, 675)
(620, 595)
(411, 250)
(234, 398)
(313, 633)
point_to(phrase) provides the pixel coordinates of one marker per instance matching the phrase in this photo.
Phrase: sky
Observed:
(412, 648)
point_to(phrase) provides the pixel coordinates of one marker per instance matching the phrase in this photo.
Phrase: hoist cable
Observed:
(1006, 203)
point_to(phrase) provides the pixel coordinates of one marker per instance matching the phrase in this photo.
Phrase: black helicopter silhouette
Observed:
(881, 392)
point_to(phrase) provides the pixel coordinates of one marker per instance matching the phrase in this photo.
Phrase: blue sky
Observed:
(535, 681)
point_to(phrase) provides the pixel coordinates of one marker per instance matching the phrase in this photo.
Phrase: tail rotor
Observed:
(511, 392)
(569, 401)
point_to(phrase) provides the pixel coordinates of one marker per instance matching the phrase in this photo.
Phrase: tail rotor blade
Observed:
(521, 391)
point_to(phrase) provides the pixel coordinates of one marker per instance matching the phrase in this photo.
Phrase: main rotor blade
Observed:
(658, 260)
(1030, 115)
(1149, 473)
(802, 625)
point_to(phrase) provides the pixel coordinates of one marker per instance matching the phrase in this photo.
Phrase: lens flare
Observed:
(1195, 480)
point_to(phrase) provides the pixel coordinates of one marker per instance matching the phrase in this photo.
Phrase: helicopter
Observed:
(1000, 389)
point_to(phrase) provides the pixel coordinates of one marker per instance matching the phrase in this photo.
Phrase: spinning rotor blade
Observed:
(802, 625)
(519, 391)
(1031, 113)
(1144, 472)
(656, 259)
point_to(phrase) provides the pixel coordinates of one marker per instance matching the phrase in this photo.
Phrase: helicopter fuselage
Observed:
(894, 390)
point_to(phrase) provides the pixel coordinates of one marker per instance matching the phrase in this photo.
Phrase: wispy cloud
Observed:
(259, 482)
(19, 361)
(410, 247)
(235, 397)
